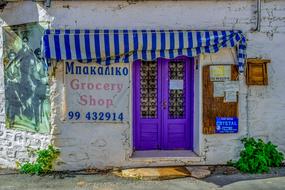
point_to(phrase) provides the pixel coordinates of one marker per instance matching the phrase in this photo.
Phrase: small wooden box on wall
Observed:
(256, 72)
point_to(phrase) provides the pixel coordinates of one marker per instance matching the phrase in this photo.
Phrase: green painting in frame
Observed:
(27, 102)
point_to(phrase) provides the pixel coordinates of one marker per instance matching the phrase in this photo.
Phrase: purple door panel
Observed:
(163, 104)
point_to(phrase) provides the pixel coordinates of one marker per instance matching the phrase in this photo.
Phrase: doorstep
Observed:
(166, 155)
(161, 173)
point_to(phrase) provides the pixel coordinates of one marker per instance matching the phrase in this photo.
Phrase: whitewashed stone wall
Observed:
(14, 144)
(261, 109)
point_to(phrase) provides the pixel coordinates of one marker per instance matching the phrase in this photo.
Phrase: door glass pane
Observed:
(148, 89)
(176, 72)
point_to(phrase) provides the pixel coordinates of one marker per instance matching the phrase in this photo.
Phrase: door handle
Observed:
(164, 104)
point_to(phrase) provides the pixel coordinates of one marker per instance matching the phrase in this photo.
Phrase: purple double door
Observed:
(163, 104)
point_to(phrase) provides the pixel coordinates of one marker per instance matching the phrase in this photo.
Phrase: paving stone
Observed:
(199, 172)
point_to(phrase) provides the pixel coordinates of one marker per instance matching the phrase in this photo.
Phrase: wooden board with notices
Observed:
(216, 106)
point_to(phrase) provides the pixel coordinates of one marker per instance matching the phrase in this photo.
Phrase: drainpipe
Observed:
(247, 113)
(256, 29)
(258, 16)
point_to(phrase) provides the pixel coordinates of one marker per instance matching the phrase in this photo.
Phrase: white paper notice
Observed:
(176, 84)
(218, 89)
(231, 86)
(231, 96)
(220, 72)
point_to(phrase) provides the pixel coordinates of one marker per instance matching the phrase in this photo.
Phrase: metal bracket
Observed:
(3, 4)
(47, 3)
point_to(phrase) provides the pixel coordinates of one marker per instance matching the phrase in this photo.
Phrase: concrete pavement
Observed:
(80, 181)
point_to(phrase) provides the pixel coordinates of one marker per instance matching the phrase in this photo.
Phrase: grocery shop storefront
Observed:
(176, 90)
(140, 78)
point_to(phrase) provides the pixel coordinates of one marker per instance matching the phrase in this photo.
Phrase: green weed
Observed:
(43, 164)
(257, 156)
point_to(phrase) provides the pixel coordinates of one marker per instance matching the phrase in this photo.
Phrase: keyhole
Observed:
(164, 104)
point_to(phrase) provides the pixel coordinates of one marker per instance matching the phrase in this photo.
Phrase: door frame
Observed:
(136, 99)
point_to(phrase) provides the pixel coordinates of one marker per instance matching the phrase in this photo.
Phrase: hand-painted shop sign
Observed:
(226, 124)
(96, 93)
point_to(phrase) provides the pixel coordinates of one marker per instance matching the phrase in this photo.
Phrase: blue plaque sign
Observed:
(226, 124)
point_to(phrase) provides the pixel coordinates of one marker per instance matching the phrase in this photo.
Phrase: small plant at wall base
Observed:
(258, 156)
(43, 164)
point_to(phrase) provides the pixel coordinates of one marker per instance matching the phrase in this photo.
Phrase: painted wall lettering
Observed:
(96, 93)
(95, 70)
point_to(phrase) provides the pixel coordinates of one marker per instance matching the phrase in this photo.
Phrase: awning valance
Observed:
(112, 46)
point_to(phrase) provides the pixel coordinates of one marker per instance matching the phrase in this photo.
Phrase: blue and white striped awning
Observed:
(113, 46)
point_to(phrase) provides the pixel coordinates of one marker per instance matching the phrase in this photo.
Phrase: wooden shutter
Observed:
(256, 72)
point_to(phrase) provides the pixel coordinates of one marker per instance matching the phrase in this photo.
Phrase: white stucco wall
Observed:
(107, 146)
